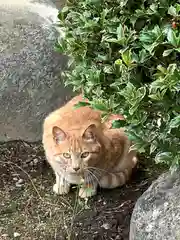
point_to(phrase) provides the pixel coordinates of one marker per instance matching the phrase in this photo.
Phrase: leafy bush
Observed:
(125, 56)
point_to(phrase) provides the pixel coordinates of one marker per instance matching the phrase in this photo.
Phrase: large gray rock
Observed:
(30, 84)
(156, 215)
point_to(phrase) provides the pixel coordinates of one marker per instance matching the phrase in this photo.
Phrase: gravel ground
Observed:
(30, 210)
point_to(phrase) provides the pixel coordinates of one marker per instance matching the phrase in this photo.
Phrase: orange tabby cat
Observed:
(83, 150)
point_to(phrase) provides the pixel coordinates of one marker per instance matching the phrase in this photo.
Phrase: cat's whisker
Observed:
(92, 182)
(99, 169)
(93, 176)
(97, 172)
(89, 179)
(86, 176)
(94, 173)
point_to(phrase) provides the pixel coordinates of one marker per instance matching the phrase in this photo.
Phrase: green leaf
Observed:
(64, 9)
(175, 122)
(167, 52)
(138, 146)
(108, 69)
(143, 56)
(171, 36)
(153, 7)
(123, 3)
(153, 147)
(177, 8)
(161, 69)
(104, 14)
(146, 38)
(172, 11)
(127, 57)
(141, 92)
(102, 57)
(133, 136)
(158, 95)
(163, 157)
(120, 32)
(151, 48)
(177, 49)
(100, 107)
(81, 104)
(133, 109)
(118, 123)
(118, 62)
(172, 68)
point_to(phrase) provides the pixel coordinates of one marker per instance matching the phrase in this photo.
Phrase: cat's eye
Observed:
(84, 155)
(66, 155)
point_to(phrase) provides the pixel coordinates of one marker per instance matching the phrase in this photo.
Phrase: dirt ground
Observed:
(30, 210)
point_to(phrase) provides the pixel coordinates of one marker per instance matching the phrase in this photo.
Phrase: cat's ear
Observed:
(89, 134)
(58, 134)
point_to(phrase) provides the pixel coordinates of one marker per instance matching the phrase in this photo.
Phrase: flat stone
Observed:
(30, 69)
(156, 215)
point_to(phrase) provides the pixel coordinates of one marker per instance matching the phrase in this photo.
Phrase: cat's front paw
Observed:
(87, 192)
(61, 189)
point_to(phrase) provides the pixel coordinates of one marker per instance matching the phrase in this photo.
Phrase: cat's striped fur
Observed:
(83, 150)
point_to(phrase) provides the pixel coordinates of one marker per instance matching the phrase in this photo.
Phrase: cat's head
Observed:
(77, 151)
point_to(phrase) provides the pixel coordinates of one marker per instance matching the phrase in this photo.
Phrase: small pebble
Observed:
(15, 179)
(20, 181)
(16, 234)
(15, 174)
(18, 185)
(35, 161)
(106, 226)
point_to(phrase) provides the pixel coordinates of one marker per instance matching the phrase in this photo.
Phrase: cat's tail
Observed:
(117, 179)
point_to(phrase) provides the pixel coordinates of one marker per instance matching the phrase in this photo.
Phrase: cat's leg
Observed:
(61, 186)
(88, 190)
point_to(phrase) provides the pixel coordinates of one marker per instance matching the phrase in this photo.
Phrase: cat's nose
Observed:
(76, 169)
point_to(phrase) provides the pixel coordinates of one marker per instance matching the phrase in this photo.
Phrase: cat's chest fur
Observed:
(73, 178)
